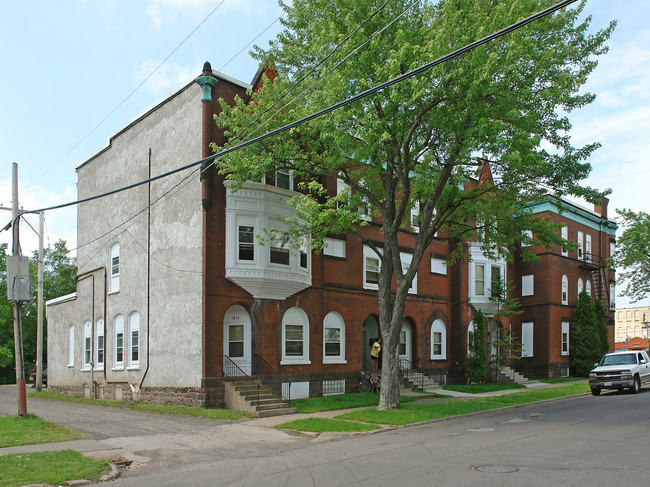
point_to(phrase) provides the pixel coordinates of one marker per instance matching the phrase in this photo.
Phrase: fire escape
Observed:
(595, 265)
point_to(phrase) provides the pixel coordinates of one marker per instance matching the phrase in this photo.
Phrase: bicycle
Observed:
(368, 383)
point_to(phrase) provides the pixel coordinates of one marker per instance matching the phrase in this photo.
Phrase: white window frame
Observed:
(588, 287)
(565, 290)
(71, 346)
(527, 335)
(587, 254)
(368, 253)
(86, 345)
(406, 260)
(245, 222)
(482, 266)
(612, 295)
(334, 320)
(528, 285)
(100, 345)
(295, 317)
(581, 253)
(334, 247)
(581, 285)
(285, 172)
(470, 334)
(280, 245)
(438, 266)
(565, 236)
(118, 329)
(341, 187)
(114, 268)
(564, 346)
(134, 330)
(438, 327)
(415, 215)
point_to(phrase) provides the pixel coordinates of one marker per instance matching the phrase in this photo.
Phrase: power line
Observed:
(128, 96)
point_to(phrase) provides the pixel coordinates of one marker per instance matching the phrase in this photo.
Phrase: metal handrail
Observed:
(231, 369)
(418, 370)
(271, 377)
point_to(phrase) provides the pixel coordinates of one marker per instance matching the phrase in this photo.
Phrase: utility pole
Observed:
(18, 336)
(38, 380)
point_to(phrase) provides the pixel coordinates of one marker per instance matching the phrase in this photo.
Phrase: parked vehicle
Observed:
(620, 370)
(32, 376)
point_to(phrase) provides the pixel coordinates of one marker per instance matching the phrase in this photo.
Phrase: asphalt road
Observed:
(584, 440)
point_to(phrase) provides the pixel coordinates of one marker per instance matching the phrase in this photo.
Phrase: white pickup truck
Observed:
(620, 370)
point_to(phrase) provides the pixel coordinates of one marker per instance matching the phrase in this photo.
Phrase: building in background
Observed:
(631, 331)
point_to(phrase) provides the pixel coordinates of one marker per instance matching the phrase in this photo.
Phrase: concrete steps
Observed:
(418, 380)
(256, 398)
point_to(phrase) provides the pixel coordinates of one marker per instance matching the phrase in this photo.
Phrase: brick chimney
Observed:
(601, 208)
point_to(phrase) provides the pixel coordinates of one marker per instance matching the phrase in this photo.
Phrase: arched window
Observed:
(333, 339)
(99, 344)
(470, 339)
(118, 341)
(588, 287)
(114, 267)
(580, 285)
(438, 340)
(565, 289)
(295, 337)
(134, 340)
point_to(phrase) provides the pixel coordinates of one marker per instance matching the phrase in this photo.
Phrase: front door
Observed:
(237, 337)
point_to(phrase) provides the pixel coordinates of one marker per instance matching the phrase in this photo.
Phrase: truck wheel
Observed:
(595, 392)
(637, 385)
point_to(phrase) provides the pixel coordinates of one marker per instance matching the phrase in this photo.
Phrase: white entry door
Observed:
(237, 337)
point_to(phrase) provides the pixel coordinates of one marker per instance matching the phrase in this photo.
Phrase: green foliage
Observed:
(51, 468)
(413, 144)
(588, 335)
(322, 425)
(59, 272)
(30, 430)
(481, 388)
(476, 369)
(633, 254)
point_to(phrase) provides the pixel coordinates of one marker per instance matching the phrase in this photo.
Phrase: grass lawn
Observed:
(340, 401)
(559, 380)
(480, 388)
(228, 414)
(29, 430)
(418, 412)
(53, 467)
(322, 425)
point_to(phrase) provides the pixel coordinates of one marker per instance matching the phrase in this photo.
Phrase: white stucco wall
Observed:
(170, 328)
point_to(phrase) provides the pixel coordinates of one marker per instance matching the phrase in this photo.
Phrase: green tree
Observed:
(601, 325)
(59, 273)
(586, 337)
(476, 368)
(506, 344)
(633, 254)
(413, 145)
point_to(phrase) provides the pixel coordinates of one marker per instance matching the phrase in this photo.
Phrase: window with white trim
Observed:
(612, 296)
(342, 190)
(581, 285)
(114, 266)
(527, 285)
(87, 344)
(479, 280)
(565, 338)
(134, 340)
(527, 339)
(415, 217)
(438, 266)
(99, 344)
(333, 339)
(334, 247)
(371, 268)
(588, 247)
(284, 179)
(71, 346)
(495, 280)
(438, 340)
(118, 341)
(246, 243)
(588, 287)
(295, 337)
(565, 289)
(406, 262)
(612, 249)
(470, 339)
(565, 236)
(581, 254)
(280, 250)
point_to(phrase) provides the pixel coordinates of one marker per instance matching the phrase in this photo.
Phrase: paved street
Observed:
(578, 441)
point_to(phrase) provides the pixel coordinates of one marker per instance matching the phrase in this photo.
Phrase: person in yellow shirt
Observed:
(375, 355)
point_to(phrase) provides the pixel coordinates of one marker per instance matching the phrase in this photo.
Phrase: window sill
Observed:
(133, 367)
(439, 357)
(335, 361)
(98, 369)
(295, 362)
(113, 292)
(117, 368)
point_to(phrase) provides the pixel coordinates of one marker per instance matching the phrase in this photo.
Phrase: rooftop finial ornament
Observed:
(206, 81)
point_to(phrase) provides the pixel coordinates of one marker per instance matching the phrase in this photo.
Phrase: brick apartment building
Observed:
(175, 291)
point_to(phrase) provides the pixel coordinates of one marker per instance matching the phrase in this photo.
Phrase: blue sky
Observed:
(71, 68)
